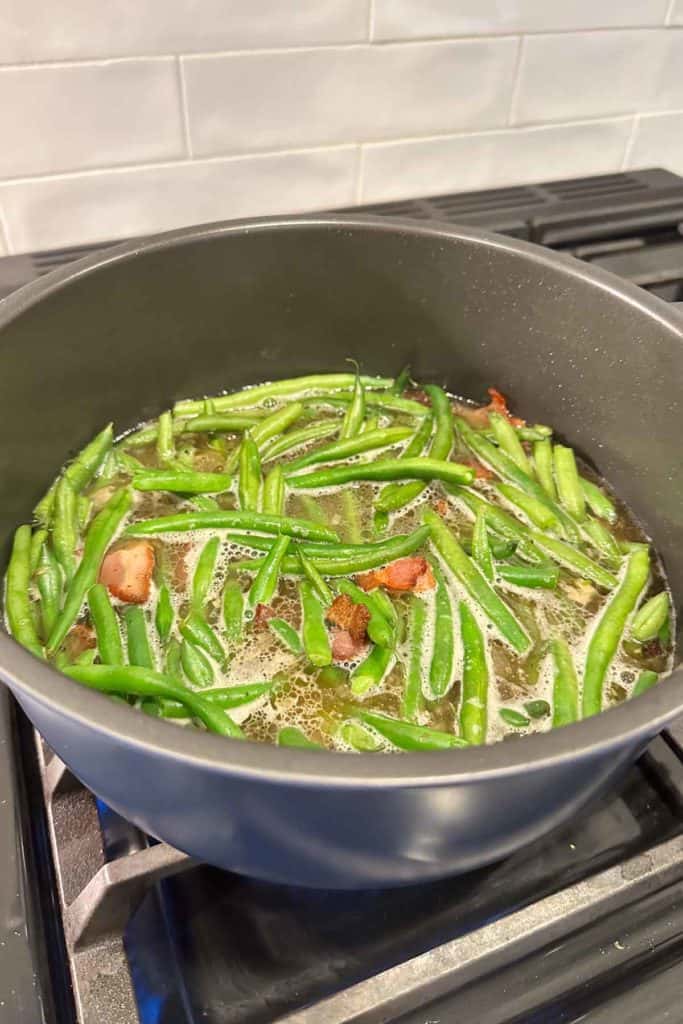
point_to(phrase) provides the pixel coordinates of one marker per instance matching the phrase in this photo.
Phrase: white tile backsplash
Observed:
(70, 117)
(239, 103)
(397, 170)
(31, 30)
(421, 19)
(658, 139)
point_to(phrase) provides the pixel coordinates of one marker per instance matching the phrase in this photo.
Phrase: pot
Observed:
(122, 334)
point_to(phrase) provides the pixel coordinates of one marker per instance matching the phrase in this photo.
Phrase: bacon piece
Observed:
(344, 646)
(262, 614)
(79, 639)
(417, 395)
(350, 617)
(479, 418)
(480, 471)
(127, 571)
(441, 507)
(410, 573)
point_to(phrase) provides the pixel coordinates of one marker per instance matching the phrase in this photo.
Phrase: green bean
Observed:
(273, 425)
(106, 624)
(295, 438)
(129, 464)
(233, 611)
(37, 543)
(407, 735)
(413, 700)
(286, 634)
(567, 480)
(49, 580)
(536, 511)
(42, 513)
(475, 679)
(211, 423)
(608, 632)
(664, 634)
(313, 510)
(327, 382)
(475, 583)
(17, 600)
(315, 638)
(351, 517)
(500, 521)
(203, 503)
(644, 682)
(274, 491)
(358, 737)
(343, 449)
(441, 666)
(650, 618)
(543, 464)
(203, 573)
(83, 510)
(385, 469)
(290, 736)
(164, 614)
(398, 495)
(597, 501)
(196, 665)
(225, 698)
(142, 682)
(565, 684)
(139, 650)
(249, 484)
(401, 382)
(380, 521)
(508, 440)
(574, 560)
(544, 576)
(602, 540)
(379, 628)
(355, 414)
(481, 548)
(371, 670)
(309, 570)
(538, 432)
(514, 718)
(181, 481)
(231, 519)
(537, 708)
(100, 534)
(197, 631)
(173, 665)
(165, 441)
(65, 528)
(80, 472)
(370, 424)
(374, 400)
(265, 583)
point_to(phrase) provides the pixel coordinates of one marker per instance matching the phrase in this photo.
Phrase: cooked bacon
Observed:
(79, 639)
(262, 614)
(417, 395)
(350, 617)
(479, 418)
(127, 571)
(344, 646)
(480, 471)
(177, 557)
(441, 507)
(410, 573)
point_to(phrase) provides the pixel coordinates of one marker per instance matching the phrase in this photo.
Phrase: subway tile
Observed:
(73, 117)
(74, 29)
(596, 74)
(239, 103)
(489, 159)
(676, 16)
(658, 140)
(77, 209)
(421, 19)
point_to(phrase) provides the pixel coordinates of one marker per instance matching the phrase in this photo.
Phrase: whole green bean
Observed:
(211, 423)
(385, 469)
(203, 574)
(441, 666)
(355, 414)
(37, 543)
(139, 650)
(165, 440)
(164, 614)
(413, 700)
(645, 681)
(143, 682)
(196, 665)
(351, 517)
(106, 624)
(249, 483)
(181, 481)
(358, 737)
(326, 382)
(544, 576)
(295, 438)
(17, 598)
(650, 618)
(503, 523)
(226, 698)
(602, 540)
(343, 449)
(567, 480)
(407, 735)
(265, 583)
(597, 501)
(536, 511)
(481, 548)
(231, 519)
(100, 534)
(42, 513)
(379, 628)
(49, 580)
(274, 491)
(475, 583)
(286, 634)
(565, 684)
(65, 528)
(273, 425)
(374, 400)
(574, 560)
(315, 638)
(197, 631)
(203, 503)
(80, 472)
(509, 441)
(290, 736)
(318, 583)
(233, 611)
(543, 464)
(608, 632)
(475, 679)
(401, 382)
(372, 669)
(420, 438)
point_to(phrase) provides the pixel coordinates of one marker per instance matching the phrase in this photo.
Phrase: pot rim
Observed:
(628, 724)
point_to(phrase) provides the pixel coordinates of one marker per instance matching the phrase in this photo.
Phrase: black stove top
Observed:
(100, 924)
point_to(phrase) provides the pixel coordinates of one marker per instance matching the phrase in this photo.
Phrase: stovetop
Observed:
(98, 923)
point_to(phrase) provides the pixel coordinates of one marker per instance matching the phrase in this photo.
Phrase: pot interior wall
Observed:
(125, 340)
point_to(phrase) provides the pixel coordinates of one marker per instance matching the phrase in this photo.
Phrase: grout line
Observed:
(630, 142)
(670, 12)
(37, 65)
(4, 232)
(371, 20)
(184, 111)
(516, 83)
(360, 175)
